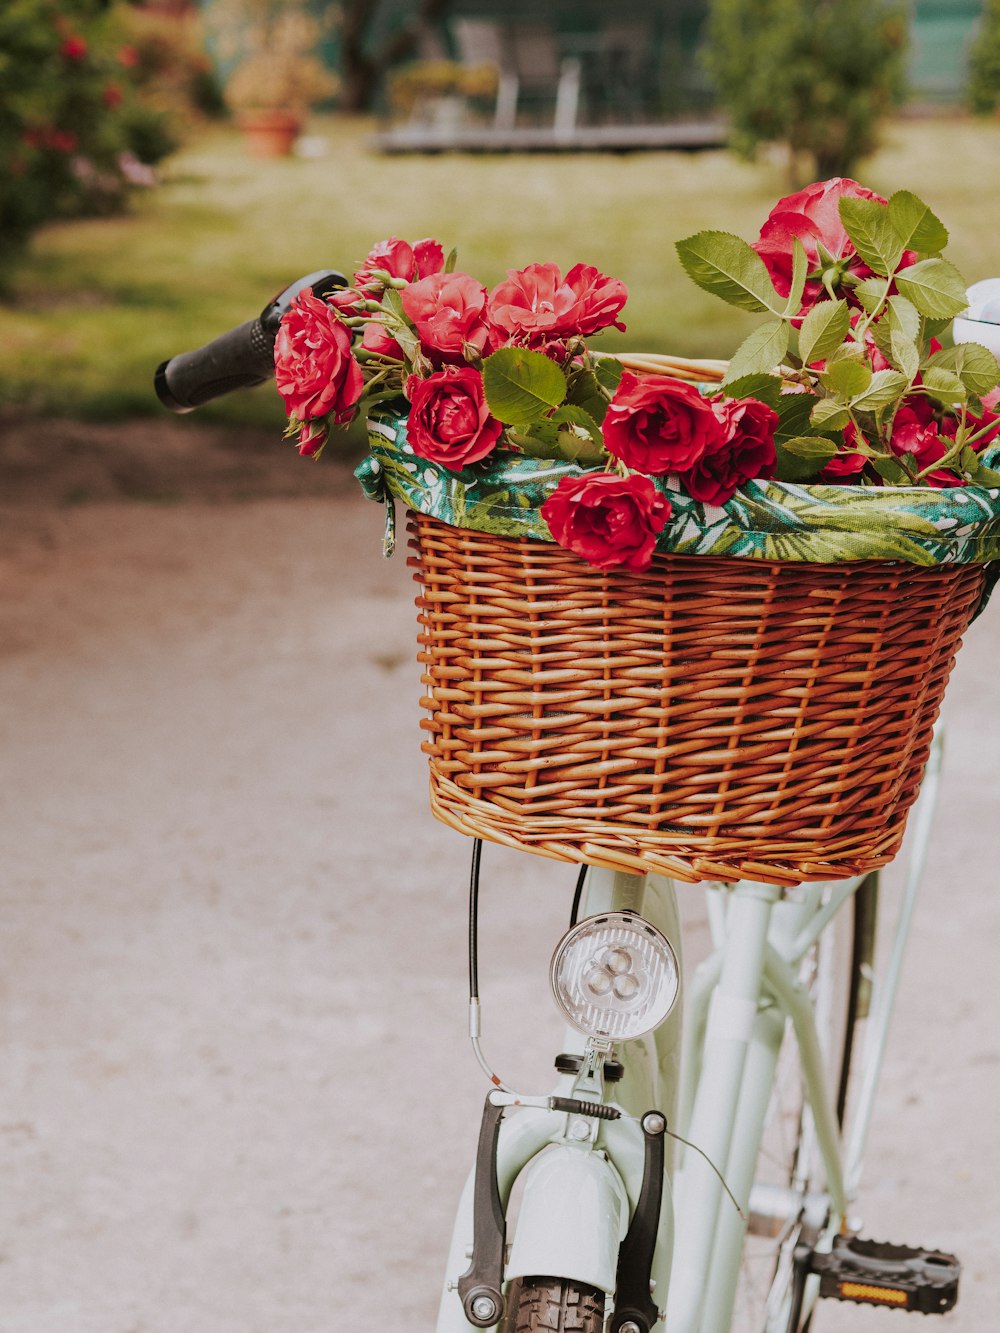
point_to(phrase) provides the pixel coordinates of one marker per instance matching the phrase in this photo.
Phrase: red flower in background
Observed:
(449, 421)
(537, 305)
(657, 424)
(74, 48)
(315, 372)
(606, 519)
(447, 312)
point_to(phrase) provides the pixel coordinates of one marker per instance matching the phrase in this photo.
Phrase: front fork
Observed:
(579, 1197)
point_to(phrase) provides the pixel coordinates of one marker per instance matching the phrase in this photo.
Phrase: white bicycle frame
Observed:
(579, 1194)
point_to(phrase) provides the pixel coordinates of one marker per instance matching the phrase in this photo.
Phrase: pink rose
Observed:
(746, 451)
(449, 421)
(447, 312)
(400, 260)
(314, 369)
(656, 424)
(607, 519)
(537, 305)
(813, 215)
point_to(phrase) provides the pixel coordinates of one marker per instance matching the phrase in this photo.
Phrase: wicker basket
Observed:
(709, 718)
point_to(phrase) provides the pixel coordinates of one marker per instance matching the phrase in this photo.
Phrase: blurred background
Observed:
(234, 1090)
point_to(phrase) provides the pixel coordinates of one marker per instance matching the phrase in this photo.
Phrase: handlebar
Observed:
(239, 359)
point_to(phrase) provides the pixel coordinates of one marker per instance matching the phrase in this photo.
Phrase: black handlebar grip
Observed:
(239, 359)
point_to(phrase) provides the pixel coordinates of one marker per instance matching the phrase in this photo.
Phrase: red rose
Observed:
(74, 48)
(347, 300)
(315, 371)
(844, 465)
(813, 215)
(400, 260)
(312, 437)
(607, 519)
(656, 424)
(112, 96)
(449, 421)
(915, 431)
(447, 312)
(746, 451)
(537, 305)
(376, 339)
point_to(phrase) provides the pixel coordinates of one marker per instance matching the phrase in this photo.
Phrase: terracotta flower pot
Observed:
(270, 133)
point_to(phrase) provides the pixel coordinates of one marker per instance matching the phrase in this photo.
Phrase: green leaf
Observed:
(905, 317)
(830, 414)
(985, 476)
(875, 238)
(521, 385)
(794, 411)
(823, 330)
(609, 371)
(891, 470)
(585, 391)
(451, 261)
(974, 365)
(871, 292)
(728, 266)
(765, 388)
(574, 415)
(934, 327)
(885, 388)
(803, 457)
(800, 271)
(896, 335)
(944, 385)
(810, 446)
(760, 352)
(917, 226)
(847, 376)
(935, 287)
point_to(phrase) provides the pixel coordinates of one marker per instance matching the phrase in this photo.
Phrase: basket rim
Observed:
(772, 520)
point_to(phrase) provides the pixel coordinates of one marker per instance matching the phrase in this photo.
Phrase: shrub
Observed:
(74, 131)
(817, 75)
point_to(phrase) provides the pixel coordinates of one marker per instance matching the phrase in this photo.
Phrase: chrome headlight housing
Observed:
(615, 976)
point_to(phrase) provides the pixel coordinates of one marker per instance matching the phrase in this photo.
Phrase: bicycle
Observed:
(680, 1154)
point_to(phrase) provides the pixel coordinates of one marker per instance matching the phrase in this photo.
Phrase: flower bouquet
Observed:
(687, 616)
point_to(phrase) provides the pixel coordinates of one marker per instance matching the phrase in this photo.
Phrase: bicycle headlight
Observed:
(614, 976)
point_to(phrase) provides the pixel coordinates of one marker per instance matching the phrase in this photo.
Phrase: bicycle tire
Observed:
(840, 986)
(554, 1305)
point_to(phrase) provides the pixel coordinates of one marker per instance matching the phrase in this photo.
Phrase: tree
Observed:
(366, 58)
(984, 62)
(817, 75)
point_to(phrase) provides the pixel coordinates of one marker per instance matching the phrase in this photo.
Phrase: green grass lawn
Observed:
(100, 303)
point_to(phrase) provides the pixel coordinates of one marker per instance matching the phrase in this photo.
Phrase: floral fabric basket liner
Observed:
(765, 520)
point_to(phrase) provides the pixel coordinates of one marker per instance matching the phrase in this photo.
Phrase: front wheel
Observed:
(554, 1305)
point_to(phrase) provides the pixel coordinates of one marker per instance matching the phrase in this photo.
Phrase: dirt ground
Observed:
(236, 1091)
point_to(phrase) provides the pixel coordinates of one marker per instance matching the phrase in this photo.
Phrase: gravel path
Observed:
(236, 1095)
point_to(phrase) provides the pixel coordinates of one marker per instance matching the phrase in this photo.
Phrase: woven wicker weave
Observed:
(709, 718)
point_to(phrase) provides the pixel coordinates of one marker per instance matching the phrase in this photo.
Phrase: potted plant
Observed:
(275, 75)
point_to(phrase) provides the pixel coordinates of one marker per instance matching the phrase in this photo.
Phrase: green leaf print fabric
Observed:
(765, 520)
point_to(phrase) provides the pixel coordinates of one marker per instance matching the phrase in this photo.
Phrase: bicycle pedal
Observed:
(899, 1277)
